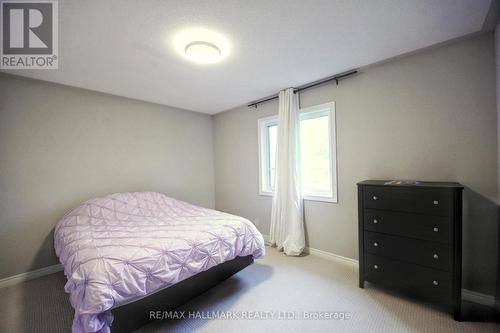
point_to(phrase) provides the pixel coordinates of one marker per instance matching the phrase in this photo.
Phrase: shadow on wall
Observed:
(480, 241)
(39, 308)
(306, 234)
(45, 252)
(481, 247)
(497, 294)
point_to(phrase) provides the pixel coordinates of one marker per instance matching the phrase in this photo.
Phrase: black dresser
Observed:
(410, 239)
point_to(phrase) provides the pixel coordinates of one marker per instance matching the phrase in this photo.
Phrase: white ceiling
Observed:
(123, 47)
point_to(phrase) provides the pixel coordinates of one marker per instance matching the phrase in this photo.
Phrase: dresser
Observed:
(410, 240)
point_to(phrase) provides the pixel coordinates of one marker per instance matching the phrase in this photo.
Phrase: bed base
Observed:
(130, 317)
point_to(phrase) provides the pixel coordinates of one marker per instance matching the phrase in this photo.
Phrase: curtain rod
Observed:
(335, 78)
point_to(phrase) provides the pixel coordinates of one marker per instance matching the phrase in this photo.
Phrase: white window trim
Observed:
(332, 130)
(262, 125)
(263, 122)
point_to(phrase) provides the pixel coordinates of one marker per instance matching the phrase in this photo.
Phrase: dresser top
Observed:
(418, 184)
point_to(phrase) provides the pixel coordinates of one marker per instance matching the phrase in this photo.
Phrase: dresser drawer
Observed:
(425, 253)
(426, 227)
(435, 201)
(413, 280)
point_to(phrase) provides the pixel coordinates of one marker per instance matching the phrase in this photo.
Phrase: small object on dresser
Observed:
(410, 239)
(402, 182)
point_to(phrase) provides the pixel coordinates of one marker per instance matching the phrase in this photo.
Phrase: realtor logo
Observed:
(29, 35)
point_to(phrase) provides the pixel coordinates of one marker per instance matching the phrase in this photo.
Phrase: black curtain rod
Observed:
(335, 78)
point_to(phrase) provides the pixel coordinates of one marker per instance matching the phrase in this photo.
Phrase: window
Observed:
(317, 150)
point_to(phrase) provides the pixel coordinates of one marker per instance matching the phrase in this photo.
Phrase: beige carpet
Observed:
(293, 286)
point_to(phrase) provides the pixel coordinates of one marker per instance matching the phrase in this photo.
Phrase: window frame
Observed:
(263, 147)
(263, 142)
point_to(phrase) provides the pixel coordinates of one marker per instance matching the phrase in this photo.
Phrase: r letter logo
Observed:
(29, 35)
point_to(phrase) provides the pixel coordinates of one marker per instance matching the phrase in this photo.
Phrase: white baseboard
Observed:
(330, 256)
(468, 295)
(479, 298)
(267, 238)
(15, 279)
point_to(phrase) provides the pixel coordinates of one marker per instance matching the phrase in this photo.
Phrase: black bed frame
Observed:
(131, 316)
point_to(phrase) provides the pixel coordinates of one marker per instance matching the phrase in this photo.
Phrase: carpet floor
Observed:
(276, 294)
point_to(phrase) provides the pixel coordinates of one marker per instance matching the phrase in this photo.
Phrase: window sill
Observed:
(306, 198)
(320, 199)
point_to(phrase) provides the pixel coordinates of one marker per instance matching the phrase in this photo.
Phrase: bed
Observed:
(126, 249)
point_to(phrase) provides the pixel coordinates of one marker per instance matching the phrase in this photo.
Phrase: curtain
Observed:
(287, 223)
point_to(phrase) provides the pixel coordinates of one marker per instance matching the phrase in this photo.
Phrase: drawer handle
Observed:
(375, 244)
(436, 229)
(435, 282)
(375, 266)
(375, 197)
(435, 256)
(375, 221)
(436, 202)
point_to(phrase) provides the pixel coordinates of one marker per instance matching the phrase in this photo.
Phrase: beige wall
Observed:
(60, 146)
(428, 116)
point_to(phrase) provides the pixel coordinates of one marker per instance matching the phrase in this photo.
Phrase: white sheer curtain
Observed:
(287, 223)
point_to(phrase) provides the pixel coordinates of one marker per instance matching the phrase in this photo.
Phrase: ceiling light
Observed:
(201, 46)
(202, 52)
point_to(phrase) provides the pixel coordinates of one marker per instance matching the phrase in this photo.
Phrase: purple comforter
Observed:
(125, 246)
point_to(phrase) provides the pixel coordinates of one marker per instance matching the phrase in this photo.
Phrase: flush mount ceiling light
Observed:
(201, 46)
(202, 52)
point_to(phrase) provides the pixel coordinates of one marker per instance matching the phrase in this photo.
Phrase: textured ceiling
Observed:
(124, 47)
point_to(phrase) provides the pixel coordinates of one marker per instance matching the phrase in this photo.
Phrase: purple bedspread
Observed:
(125, 246)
